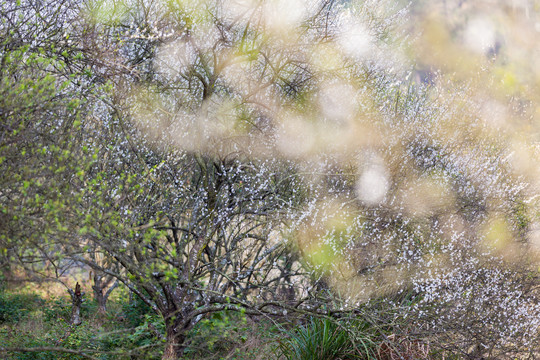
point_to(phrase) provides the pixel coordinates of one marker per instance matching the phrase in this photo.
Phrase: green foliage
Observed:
(40, 113)
(57, 308)
(36, 322)
(132, 331)
(229, 335)
(14, 307)
(79, 337)
(217, 334)
(147, 333)
(29, 342)
(135, 311)
(520, 217)
(60, 308)
(325, 339)
(141, 342)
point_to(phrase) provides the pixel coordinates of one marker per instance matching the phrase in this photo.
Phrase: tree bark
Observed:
(100, 295)
(174, 343)
(101, 301)
(76, 302)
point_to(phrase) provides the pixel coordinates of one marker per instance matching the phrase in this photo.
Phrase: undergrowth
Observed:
(130, 330)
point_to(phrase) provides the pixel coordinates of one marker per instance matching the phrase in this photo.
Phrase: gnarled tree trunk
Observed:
(76, 302)
(101, 295)
(175, 341)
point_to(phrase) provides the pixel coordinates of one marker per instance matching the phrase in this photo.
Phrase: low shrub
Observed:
(327, 339)
(57, 308)
(14, 307)
(135, 311)
(231, 335)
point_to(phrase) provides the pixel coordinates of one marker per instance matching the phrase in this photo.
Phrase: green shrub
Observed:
(326, 339)
(60, 308)
(41, 355)
(14, 307)
(57, 308)
(79, 338)
(135, 311)
(230, 335)
(217, 334)
(141, 342)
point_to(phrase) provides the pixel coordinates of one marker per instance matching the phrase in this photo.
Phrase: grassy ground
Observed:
(36, 317)
(32, 317)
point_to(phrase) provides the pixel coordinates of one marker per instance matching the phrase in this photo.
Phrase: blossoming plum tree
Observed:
(276, 157)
